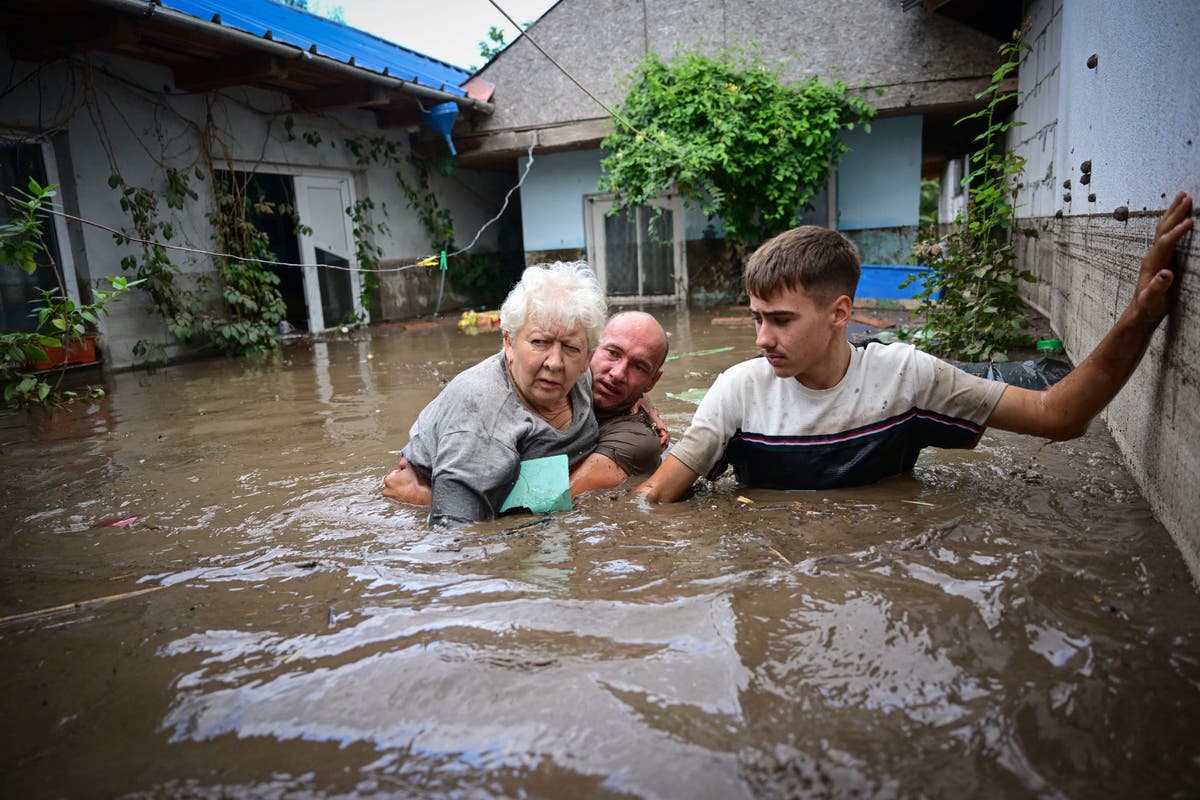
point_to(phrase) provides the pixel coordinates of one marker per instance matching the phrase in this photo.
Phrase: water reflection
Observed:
(1007, 621)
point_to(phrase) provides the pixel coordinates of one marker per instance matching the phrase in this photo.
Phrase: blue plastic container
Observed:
(882, 281)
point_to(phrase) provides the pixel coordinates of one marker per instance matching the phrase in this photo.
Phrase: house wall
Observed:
(915, 58)
(1136, 117)
(552, 211)
(878, 198)
(108, 114)
(878, 189)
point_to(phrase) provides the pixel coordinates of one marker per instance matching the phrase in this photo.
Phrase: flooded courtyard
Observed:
(1005, 622)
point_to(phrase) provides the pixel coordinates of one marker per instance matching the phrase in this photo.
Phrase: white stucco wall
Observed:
(552, 213)
(1135, 116)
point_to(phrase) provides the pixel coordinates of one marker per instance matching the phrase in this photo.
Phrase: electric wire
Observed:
(124, 238)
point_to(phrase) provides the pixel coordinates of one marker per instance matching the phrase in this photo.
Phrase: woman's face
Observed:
(544, 361)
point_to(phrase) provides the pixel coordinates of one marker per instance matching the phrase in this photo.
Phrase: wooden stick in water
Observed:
(81, 604)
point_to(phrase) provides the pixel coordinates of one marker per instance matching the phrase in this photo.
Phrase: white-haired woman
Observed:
(531, 400)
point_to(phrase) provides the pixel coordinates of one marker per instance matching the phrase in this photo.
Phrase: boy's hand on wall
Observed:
(1152, 297)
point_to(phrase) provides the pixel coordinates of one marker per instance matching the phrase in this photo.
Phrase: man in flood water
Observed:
(625, 365)
(817, 413)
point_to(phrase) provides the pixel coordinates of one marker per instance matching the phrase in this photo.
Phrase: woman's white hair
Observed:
(561, 293)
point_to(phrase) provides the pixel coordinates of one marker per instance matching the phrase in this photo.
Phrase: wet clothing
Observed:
(468, 444)
(629, 441)
(777, 433)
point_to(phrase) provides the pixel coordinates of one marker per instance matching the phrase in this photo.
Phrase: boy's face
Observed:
(800, 338)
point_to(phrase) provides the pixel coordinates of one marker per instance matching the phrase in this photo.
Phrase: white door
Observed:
(638, 255)
(333, 292)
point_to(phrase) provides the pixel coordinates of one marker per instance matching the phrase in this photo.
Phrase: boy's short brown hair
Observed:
(822, 262)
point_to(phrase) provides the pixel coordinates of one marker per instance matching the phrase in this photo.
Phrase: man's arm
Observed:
(596, 472)
(669, 482)
(1065, 409)
(405, 485)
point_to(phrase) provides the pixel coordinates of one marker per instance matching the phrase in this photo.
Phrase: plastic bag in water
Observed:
(1036, 373)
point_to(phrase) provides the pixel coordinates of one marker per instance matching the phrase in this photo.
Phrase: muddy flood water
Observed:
(1005, 622)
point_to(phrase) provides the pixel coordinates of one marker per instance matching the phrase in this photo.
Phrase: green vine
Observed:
(971, 301)
(153, 269)
(254, 306)
(366, 252)
(735, 141)
(244, 315)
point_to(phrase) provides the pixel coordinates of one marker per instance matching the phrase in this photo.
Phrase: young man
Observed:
(625, 365)
(817, 413)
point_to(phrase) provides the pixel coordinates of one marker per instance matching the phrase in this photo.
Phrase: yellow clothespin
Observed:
(428, 261)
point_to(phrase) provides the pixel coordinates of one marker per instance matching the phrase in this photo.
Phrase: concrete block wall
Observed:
(1113, 85)
(1088, 269)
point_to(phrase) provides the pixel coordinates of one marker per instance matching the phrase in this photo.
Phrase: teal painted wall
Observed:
(879, 181)
(552, 198)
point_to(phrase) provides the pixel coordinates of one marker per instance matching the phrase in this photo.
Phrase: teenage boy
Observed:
(817, 413)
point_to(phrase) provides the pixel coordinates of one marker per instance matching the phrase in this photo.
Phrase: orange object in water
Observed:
(73, 352)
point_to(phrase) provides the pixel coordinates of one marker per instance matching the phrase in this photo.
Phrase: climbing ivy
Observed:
(152, 267)
(733, 139)
(487, 276)
(971, 303)
(366, 252)
(244, 315)
(253, 305)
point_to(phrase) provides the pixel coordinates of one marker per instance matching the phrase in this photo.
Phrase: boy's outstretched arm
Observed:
(1065, 409)
(669, 482)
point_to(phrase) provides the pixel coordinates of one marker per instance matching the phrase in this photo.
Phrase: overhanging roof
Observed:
(211, 44)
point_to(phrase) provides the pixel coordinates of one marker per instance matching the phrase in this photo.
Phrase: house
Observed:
(145, 113)
(920, 71)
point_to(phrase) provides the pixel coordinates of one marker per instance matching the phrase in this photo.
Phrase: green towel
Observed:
(543, 485)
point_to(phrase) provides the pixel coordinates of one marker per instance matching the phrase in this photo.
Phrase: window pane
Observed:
(337, 297)
(620, 254)
(658, 265)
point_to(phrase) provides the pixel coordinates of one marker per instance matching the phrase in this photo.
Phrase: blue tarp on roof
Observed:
(333, 39)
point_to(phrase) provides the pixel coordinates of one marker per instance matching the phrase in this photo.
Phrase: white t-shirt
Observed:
(778, 434)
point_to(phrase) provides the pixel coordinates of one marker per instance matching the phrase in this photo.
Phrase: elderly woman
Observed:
(531, 400)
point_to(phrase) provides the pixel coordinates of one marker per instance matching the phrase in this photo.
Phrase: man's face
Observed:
(796, 335)
(626, 363)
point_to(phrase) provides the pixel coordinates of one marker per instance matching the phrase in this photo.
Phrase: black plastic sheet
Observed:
(1036, 373)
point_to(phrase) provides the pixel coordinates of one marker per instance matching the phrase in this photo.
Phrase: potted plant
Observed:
(62, 336)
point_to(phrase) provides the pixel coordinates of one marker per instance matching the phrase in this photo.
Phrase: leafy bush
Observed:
(979, 314)
(735, 141)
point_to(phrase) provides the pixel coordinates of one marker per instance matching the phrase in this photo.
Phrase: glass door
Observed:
(333, 290)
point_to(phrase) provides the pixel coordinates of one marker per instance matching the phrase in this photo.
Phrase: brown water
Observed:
(1006, 622)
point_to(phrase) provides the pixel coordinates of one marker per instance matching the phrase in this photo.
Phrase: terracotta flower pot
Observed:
(74, 352)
